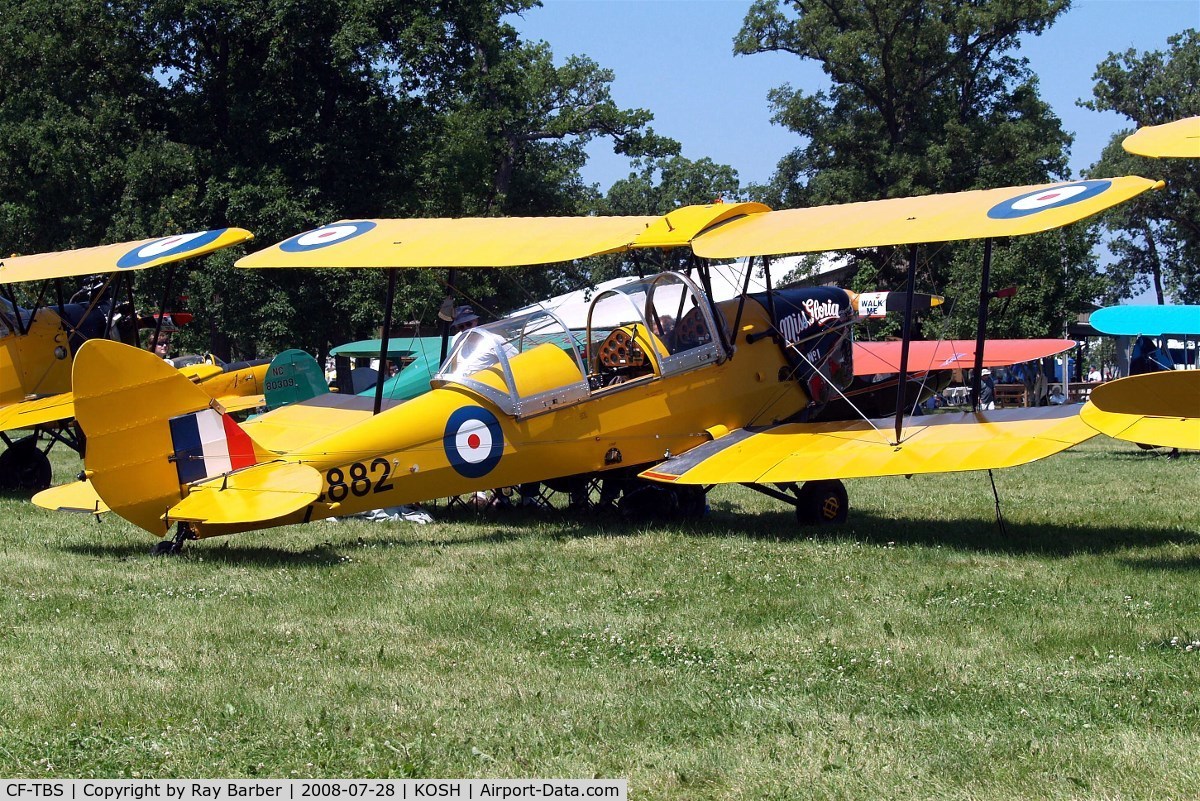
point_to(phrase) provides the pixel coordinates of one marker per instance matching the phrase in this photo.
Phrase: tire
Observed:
(822, 503)
(24, 468)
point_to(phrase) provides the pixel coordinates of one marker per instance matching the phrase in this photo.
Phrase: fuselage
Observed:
(457, 438)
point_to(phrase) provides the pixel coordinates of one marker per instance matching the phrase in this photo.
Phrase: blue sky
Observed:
(674, 58)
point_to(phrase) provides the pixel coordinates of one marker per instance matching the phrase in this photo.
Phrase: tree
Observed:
(77, 113)
(138, 118)
(1155, 238)
(926, 96)
(657, 186)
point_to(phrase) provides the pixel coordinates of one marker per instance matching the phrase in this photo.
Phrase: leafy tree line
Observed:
(931, 96)
(1156, 238)
(140, 118)
(136, 118)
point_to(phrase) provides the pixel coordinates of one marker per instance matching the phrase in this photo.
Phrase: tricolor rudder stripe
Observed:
(208, 443)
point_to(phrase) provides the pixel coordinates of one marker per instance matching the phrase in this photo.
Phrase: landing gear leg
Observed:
(174, 546)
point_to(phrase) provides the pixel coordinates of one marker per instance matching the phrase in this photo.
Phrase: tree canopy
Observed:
(925, 96)
(150, 117)
(1156, 238)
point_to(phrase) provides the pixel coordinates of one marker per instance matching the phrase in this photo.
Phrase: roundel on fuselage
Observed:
(473, 441)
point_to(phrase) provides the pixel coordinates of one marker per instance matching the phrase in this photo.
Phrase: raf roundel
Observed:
(324, 237)
(168, 246)
(473, 441)
(1051, 197)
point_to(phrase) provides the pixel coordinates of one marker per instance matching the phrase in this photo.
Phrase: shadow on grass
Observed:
(726, 520)
(323, 555)
(1182, 564)
(986, 536)
(330, 553)
(461, 527)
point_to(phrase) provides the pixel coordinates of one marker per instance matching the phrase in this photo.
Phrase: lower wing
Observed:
(1152, 409)
(943, 443)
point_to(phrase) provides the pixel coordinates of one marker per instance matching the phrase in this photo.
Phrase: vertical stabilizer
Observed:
(150, 431)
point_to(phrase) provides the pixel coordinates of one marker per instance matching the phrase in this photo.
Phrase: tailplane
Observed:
(151, 432)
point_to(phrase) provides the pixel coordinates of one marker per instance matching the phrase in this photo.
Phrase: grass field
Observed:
(916, 652)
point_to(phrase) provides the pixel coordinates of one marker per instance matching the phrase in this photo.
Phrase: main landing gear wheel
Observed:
(174, 546)
(24, 467)
(822, 503)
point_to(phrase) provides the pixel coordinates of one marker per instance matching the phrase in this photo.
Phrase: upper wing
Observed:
(978, 214)
(871, 358)
(121, 256)
(1152, 321)
(1179, 139)
(942, 443)
(466, 242)
(1153, 409)
(490, 241)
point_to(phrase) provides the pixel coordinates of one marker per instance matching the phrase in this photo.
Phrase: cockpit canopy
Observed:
(538, 361)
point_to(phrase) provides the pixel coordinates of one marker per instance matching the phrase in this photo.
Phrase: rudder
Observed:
(150, 431)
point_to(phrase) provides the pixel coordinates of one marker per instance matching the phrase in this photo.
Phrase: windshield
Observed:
(526, 364)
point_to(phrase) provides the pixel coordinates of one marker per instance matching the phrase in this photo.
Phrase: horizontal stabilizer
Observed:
(241, 403)
(76, 496)
(254, 495)
(1160, 409)
(942, 443)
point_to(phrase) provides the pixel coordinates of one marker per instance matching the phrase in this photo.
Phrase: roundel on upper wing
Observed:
(1051, 197)
(168, 246)
(473, 441)
(325, 236)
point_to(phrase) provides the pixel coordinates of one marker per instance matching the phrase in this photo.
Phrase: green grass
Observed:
(916, 652)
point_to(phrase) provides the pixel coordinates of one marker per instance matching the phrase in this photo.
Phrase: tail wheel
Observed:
(23, 467)
(822, 503)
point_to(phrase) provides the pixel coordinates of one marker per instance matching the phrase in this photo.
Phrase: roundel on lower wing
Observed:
(1051, 197)
(325, 236)
(473, 441)
(169, 246)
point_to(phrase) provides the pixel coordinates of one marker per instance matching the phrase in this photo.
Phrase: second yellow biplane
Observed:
(661, 384)
(37, 343)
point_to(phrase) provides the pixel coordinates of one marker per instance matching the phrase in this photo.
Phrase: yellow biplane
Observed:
(660, 384)
(37, 343)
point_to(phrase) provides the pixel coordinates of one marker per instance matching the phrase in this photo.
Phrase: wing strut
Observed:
(985, 297)
(37, 304)
(383, 339)
(162, 308)
(116, 301)
(20, 327)
(905, 339)
(451, 277)
(737, 319)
